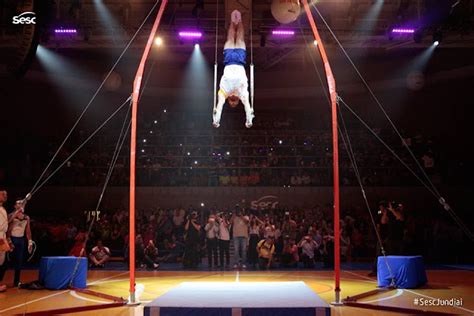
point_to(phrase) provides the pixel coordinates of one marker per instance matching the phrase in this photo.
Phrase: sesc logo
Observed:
(25, 18)
(265, 202)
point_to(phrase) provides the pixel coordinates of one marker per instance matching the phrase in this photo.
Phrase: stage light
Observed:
(164, 111)
(155, 121)
(202, 204)
(228, 153)
(315, 43)
(63, 31)
(403, 30)
(196, 46)
(189, 154)
(158, 41)
(280, 142)
(144, 140)
(195, 162)
(151, 132)
(143, 150)
(436, 43)
(283, 33)
(190, 34)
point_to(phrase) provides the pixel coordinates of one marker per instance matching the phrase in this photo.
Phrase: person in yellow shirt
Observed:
(266, 250)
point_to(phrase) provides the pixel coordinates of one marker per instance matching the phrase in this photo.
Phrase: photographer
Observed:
(212, 229)
(266, 250)
(223, 239)
(308, 246)
(240, 226)
(192, 228)
(397, 228)
(255, 227)
(289, 227)
(383, 222)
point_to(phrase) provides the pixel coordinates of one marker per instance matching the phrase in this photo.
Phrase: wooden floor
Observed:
(443, 284)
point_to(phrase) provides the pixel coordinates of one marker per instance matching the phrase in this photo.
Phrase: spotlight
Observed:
(196, 46)
(315, 43)
(158, 41)
(202, 204)
(437, 37)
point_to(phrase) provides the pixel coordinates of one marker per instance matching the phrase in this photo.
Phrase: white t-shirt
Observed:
(223, 231)
(234, 81)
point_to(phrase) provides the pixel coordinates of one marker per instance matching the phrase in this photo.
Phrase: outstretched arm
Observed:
(217, 112)
(248, 110)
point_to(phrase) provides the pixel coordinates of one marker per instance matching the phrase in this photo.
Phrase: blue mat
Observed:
(408, 271)
(239, 298)
(56, 272)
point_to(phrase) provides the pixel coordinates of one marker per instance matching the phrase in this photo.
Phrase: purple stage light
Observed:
(403, 30)
(283, 32)
(65, 31)
(190, 34)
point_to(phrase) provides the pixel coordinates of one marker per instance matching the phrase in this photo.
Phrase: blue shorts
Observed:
(235, 56)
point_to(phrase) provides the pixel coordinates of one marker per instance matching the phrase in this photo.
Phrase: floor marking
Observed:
(52, 295)
(399, 292)
(33, 301)
(237, 275)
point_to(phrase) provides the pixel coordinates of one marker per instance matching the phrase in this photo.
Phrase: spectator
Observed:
(19, 228)
(265, 249)
(289, 256)
(78, 249)
(240, 226)
(224, 239)
(212, 230)
(99, 255)
(191, 246)
(151, 255)
(4, 242)
(255, 226)
(308, 247)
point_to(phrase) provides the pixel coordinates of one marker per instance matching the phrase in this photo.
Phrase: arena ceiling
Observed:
(350, 19)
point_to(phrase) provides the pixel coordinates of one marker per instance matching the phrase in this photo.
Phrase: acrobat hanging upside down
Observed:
(233, 86)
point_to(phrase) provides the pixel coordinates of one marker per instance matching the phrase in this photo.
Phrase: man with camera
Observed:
(212, 229)
(223, 239)
(308, 246)
(192, 228)
(240, 226)
(383, 226)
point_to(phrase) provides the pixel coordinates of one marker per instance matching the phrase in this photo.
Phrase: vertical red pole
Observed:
(335, 148)
(133, 145)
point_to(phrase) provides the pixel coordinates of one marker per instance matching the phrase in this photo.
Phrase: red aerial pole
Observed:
(335, 148)
(133, 145)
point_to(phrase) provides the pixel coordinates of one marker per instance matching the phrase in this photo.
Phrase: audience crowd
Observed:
(277, 152)
(245, 238)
